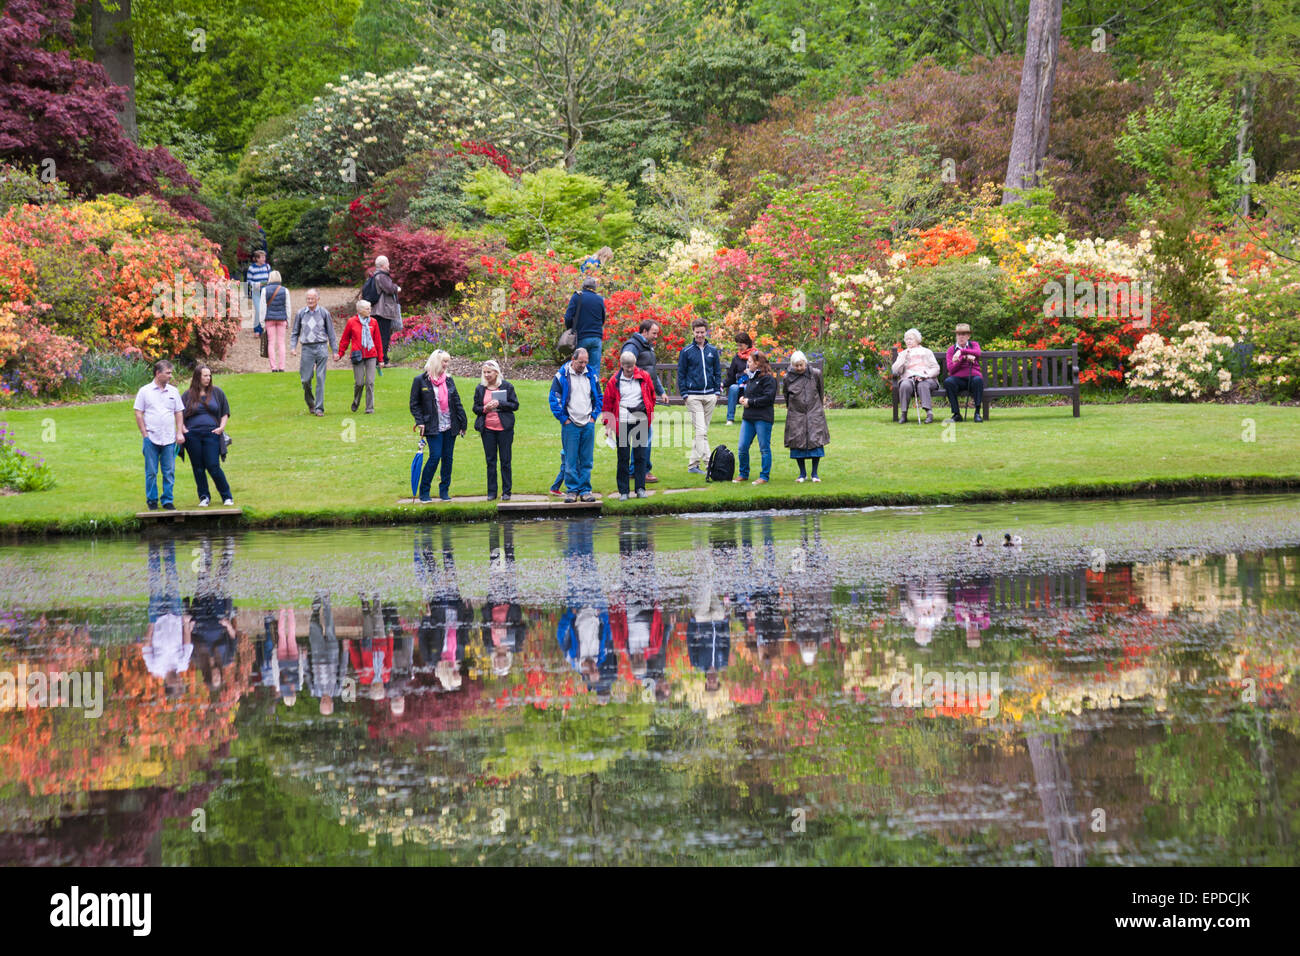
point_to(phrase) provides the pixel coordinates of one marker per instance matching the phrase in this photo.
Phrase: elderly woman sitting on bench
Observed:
(919, 374)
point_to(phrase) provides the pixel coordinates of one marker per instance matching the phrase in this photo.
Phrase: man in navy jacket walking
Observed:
(699, 382)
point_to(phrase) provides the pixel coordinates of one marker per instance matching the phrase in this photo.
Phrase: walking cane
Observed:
(916, 393)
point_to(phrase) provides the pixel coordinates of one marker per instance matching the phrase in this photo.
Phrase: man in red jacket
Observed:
(629, 407)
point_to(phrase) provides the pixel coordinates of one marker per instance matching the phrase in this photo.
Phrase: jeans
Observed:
(559, 475)
(204, 452)
(701, 410)
(315, 359)
(440, 450)
(648, 465)
(255, 294)
(633, 452)
(953, 384)
(763, 431)
(592, 344)
(164, 583)
(733, 398)
(159, 457)
(497, 445)
(579, 450)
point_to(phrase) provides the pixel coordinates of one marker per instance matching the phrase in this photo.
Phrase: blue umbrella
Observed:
(417, 465)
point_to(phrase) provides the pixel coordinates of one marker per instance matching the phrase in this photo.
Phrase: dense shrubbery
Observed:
(427, 266)
(20, 471)
(107, 274)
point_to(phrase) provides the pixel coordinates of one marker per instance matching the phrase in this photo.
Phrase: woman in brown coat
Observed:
(806, 432)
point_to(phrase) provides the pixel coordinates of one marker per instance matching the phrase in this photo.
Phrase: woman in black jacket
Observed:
(439, 417)
(206, 413)
(495, 422)
(759, 401)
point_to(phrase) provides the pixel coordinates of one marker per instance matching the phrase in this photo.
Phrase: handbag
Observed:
(226, 442)
(262, 345)
(568, 341)
(358, 356)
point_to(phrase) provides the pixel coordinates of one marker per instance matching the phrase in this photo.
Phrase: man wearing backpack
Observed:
(699, 382)
(381, 292)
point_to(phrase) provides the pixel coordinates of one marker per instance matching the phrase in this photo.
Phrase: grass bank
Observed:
(289, 469)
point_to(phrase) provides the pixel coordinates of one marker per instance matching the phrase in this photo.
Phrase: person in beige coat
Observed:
(918, 372)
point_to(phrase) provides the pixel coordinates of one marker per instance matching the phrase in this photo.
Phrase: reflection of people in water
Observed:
(708, 631)
(971, 608)
(167, 640)
(372, 656)
(502, 617)
(286, 656)
(584, 632)
(757, 593)
(636, 616)
(809, 593)
(326, 663)
(212, 613)
(449, 619)
(925, 607)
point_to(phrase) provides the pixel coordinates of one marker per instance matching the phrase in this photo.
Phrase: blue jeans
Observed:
(559, 475)
(579, 451)
(441, 448)
(159, 457)
(164, 584)
(593, 345)
(763, 431)
(733, 399)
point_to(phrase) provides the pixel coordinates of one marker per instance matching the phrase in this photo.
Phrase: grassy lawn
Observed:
(287, 467)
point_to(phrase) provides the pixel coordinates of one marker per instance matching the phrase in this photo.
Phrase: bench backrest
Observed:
(668, 373)
(1029, 368)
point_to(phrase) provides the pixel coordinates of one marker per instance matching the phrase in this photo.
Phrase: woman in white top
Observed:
(918, 372)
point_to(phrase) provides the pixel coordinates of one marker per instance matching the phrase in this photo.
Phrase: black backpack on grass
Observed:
(722, 465)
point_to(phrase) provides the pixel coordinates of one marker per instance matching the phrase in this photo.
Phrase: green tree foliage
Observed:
(209, 71)
(1191, 120)
(686, 197)
(728, 74)
(946, 295)
(571, 213)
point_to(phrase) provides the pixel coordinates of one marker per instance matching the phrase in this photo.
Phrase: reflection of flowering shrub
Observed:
(1182, 368)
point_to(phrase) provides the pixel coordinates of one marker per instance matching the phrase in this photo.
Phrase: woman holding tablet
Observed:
(495, 405)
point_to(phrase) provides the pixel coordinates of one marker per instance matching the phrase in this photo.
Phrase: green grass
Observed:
(288, 468)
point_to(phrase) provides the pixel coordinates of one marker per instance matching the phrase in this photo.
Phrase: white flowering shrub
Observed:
(1183, 368)
(1109, 255)
(690, 254)
(366, 126)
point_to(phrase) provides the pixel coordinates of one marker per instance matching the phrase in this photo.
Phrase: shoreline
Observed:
(90, 526)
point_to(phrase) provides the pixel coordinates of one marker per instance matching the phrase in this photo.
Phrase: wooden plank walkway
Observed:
(162, 516)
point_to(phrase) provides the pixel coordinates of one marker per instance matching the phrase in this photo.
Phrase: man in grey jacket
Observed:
(387, 308)
(314, 329)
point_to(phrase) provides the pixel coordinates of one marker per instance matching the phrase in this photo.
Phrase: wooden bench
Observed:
(667, 372)
(1021, 372)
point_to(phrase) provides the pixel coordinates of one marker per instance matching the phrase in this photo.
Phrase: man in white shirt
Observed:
(159, 416)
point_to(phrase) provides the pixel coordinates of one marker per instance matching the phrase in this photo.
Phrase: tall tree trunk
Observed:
(1246, 112)
(110, 32)
(1056, 796)
(1034, 109)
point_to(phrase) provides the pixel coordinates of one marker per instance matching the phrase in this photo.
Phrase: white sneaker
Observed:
(203, 502)
(228, 501)
(799, 480)
(622, 497)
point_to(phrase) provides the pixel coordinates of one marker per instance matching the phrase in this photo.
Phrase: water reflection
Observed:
(983, 714)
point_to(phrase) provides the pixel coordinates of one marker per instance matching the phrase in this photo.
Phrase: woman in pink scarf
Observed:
(439, 418)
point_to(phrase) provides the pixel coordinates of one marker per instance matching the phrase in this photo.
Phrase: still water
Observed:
(857, 686)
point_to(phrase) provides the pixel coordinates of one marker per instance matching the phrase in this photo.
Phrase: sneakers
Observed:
(759, 481)
(203, 502)
(491, 497)
(587, 497)
(506, 496)
(695, 470)
(816, 479)
(642, 493)
(169, 507)
(977, 418)
(425, 499)
(799, 480)
(444, 497)
(570, 499)
(736, 481)
(153, 505)
(556, 492)
(650, 479)
(955, 418)
(622, 496)
(229, 502)
(728, 422)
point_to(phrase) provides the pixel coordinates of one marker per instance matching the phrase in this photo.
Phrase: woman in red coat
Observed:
(361, 335)
(629, 405)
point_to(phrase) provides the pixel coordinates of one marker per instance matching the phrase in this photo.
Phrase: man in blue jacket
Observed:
(699, 381)
(575, 403)
(586, 316)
